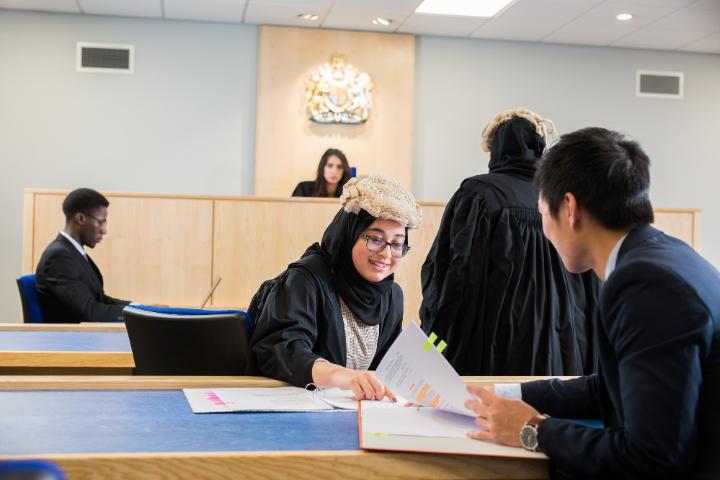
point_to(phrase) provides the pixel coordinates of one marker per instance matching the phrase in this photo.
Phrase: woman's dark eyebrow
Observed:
(380, 230)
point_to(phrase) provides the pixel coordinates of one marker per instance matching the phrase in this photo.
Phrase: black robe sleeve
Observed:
(453, 277)
(497, 292)
(303, 189)
(286, 330)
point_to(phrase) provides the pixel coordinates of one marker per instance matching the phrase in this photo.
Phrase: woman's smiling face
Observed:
(373, 266)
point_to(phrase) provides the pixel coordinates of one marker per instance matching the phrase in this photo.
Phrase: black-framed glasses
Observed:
(377, 245)
(101, 222)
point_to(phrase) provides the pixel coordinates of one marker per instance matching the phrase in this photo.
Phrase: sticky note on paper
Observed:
(430, 341)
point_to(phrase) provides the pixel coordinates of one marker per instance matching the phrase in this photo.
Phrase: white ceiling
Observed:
(685, 25)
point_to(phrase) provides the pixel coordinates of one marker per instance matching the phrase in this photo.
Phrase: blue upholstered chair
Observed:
(32, 313)
(30, 469)
(182, 341)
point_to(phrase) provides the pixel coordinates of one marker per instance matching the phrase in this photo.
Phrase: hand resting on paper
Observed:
(362, 383)
(499, 418)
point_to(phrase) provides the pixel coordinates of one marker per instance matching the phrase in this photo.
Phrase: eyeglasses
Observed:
(377, 245)
(101, 222)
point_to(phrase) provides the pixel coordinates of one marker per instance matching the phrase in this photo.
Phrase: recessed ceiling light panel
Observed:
(382, 21)
(464, 8)
(307, 16)
(624, 17)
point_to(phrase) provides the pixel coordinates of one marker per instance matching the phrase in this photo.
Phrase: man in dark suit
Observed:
(658, 387)
(69, 283)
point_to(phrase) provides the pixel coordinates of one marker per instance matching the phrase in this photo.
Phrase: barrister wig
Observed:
(382, 198)
(543, 126)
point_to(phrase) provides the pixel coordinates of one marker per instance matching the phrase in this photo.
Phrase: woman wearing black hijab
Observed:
(333, 314)
(493, 287)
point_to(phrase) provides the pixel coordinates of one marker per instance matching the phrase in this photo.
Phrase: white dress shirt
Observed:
(75, 244)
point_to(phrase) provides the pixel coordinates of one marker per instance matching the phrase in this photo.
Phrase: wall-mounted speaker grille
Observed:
(660, 84)
(102, 57)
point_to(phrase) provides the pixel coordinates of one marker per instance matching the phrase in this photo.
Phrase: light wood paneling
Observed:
(288, 145)
(255, 241)
(310, 465)
(158, 250)
(408, 274)
(152, 382)
(681, 223)
(64, 327)
(166, 248)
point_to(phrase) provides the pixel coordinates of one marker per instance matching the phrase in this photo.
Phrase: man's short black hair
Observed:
(83, 200)
(606, 172)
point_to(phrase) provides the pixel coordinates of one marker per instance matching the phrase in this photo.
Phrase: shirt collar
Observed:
(612, 258)
(75, 244)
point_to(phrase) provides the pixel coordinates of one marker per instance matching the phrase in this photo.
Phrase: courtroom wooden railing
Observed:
(164, 248)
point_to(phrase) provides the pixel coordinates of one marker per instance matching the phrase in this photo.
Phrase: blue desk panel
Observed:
(34, 422)
(13, 340)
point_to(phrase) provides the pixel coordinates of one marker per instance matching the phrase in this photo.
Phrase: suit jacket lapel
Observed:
(87, 266)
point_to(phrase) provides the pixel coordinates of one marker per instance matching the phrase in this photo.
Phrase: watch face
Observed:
(528, 437)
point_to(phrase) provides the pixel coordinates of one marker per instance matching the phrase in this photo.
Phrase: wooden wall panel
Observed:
(166, 249)
(679, 223)
(288, 146)
(158, 250)
(256, 240)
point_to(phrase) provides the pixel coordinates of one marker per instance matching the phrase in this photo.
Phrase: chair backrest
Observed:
(195, 342)
(32, 312)
(30, 469)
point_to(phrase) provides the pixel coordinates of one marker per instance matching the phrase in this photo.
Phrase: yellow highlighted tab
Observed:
(441, 346)
(430, 341)
(385, 435)
(371, 434)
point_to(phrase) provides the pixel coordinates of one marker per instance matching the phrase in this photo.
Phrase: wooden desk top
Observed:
(126, 427)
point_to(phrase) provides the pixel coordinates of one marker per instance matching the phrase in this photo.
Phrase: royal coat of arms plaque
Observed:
(338, 93)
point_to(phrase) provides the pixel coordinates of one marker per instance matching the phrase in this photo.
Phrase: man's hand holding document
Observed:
(415, 368)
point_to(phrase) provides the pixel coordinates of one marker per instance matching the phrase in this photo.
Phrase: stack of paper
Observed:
(280, 399)
(415, 368)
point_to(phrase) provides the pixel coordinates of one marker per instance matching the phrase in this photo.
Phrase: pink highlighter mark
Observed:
(214, 398)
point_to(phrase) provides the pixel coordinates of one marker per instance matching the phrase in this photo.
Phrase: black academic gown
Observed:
(496, 291)
(298, 320)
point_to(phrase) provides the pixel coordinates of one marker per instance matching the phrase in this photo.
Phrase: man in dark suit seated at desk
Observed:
(658, 386)
(69, 283)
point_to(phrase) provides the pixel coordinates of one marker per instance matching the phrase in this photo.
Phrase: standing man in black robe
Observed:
(493, 287)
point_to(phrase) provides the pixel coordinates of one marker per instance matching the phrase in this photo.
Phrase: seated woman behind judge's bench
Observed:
(332, 173)
(333, 314)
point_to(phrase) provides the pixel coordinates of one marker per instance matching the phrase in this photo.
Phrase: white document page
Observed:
(388, 419)
(421, 374)
(280, 399)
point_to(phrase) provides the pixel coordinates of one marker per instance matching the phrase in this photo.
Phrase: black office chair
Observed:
(206, 343)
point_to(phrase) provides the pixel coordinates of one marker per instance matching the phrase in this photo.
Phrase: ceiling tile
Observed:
(361, 18)
(448, 25)
(405, 6)
(709, 44)
(531, 20)
(659, 38)
(42, 5)
(205, 10)
(125, 8)
(275, 13)
(605, 13)
(691, 19)
(706, 5)
(674, 4)
(584, 34)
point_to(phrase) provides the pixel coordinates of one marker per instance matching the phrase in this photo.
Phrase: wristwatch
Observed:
(529, 433)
